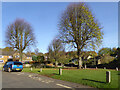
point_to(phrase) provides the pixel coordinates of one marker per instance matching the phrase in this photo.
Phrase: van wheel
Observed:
(9, 70)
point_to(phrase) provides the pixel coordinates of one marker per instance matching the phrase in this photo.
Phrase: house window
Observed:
(10, 56)
(17, 56)
(1, 61)
(1, 56)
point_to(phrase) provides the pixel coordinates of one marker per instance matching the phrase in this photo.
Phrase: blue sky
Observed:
(44, 18)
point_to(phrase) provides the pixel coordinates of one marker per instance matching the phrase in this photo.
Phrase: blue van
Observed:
(13, 66)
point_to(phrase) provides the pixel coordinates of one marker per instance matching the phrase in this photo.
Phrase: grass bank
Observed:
(94, 78)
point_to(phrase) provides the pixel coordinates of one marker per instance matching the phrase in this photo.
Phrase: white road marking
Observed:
(19, 73)
(49, 80)
(39, 79)
(63, 85)
(33, 77)
(46, 82)
(30, 76)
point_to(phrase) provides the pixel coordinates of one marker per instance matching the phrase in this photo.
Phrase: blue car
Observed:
(13, 66)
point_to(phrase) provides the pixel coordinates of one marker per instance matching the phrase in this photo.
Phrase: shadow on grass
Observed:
(118, 73)
(94, 81)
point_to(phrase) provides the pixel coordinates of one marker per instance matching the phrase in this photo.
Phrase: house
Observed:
(98, 59)
(14, 55)
(84, 58)
(4, 56)
(105, 59)
(26, 58)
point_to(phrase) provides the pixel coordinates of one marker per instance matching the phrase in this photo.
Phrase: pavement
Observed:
(32, 80)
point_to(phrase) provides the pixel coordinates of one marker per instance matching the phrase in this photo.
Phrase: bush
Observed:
(111, 65)
(37, 65)
(34, 58)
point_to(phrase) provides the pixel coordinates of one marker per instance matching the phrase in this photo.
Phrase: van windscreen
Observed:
(17, 63)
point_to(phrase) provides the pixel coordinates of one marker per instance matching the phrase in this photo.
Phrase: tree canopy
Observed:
(19, 35)
(54, 50)
(79, 28)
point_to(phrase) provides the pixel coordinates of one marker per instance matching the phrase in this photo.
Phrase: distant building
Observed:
(14, 55)
(98, 59)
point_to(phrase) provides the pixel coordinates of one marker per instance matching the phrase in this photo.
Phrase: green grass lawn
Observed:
(94, 78)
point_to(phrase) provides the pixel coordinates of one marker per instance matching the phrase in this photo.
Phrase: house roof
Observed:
(28, 55)
(8, 53)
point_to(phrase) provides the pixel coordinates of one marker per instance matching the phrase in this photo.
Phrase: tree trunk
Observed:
(79, 59)
(79, 63)
(62, 64)
(20, 55)
(55, 63)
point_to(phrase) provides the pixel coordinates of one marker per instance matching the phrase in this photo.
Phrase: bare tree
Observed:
(20, 35)
(54, 50)
(36, 51)
(79, 28)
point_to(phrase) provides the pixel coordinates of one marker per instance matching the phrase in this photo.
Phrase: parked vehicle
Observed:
(13, 66)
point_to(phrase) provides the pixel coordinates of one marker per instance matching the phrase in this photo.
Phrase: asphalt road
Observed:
(31, 80)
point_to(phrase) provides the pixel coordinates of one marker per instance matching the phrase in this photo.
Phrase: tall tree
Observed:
(36, 51)
(54, 50)
(20, 35)
(79, 28)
